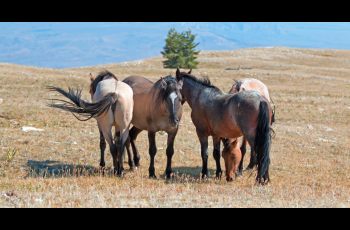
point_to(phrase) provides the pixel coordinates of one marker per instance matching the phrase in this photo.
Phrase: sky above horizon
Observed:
(73, 44)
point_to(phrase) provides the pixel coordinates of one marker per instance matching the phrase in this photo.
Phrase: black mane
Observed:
(164, 92)
(101, 76)
(204, 81)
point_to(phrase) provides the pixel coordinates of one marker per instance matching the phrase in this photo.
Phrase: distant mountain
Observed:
(62, 45)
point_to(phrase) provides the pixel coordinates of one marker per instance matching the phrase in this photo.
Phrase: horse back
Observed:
(250, 84)
(138, 84)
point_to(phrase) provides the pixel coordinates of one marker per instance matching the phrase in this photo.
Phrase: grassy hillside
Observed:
(310, 155)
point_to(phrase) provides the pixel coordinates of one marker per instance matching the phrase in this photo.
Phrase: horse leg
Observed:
(170, 153)
(152, 153)
(124, 134)
(243, 151)
(116, 139)
(134, 132)
(204, 153)
(130, 160)
(216, 154)
(253, 160)
(102, 148)
(107, 133)
(237, 160)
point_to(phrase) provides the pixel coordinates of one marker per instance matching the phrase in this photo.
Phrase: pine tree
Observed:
(179, 50)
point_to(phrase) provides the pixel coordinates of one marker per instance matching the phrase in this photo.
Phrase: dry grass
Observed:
(59, 167)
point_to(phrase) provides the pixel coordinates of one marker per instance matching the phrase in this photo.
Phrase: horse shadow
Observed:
(56, 169)
(189, 175)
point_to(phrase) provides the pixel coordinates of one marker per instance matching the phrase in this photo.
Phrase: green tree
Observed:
(179, 50)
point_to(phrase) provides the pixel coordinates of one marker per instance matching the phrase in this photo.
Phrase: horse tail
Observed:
(81, 107)
(262, 142)
(273, 111)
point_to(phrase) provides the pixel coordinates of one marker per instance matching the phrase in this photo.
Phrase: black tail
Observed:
(263, 142)
(273, 111)
(81, 107)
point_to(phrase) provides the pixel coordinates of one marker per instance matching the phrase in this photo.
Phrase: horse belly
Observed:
(225, 129)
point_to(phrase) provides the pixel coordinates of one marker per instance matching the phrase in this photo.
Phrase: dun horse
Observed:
(235, 149)
(221, 115)
(112, 106)
(157, 108)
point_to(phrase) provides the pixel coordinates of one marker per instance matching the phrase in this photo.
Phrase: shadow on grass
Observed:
(56, 169)
(189, 175)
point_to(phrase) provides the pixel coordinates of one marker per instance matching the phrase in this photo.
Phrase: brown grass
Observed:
(59, 167)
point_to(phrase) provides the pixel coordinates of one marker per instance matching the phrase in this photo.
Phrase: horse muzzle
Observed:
(175, 121)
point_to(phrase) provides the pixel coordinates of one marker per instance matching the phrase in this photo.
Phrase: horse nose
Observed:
(176, 121)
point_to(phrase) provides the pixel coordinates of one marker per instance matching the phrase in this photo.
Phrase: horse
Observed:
(157, 108)
(253, 84)
(112, 105)
(222, 115)
(231, 147)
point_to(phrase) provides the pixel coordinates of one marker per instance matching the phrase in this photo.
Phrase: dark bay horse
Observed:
(112, 105)
(157, 108)
(221, 115)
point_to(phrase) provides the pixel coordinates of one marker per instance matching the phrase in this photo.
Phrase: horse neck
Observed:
(191, 91)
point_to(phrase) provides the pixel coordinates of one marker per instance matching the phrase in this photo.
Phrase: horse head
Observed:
(170, 93)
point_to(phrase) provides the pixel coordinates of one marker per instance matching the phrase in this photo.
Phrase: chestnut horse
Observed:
(157, 108)
(221, 115)
(112, 105)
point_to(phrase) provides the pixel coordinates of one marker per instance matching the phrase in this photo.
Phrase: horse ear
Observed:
(189, 72)
(91, 77)
(177, 72)
(163, 83)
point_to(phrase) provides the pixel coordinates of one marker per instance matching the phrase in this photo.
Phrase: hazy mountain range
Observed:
(62, 45)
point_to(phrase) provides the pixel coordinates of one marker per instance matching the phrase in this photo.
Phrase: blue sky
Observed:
(61, 45)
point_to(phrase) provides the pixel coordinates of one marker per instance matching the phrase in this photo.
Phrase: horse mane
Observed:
(165, 91)
(204, 81)
(100, 77)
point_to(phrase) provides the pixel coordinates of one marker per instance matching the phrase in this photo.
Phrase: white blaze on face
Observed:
(172, 97)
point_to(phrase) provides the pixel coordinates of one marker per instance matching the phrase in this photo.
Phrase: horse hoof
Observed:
(262, 182)
(229, 179)
(133, 168)
(152, 177)
(119, 173)
(205, 176)
(170, 176)
(218, 175)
